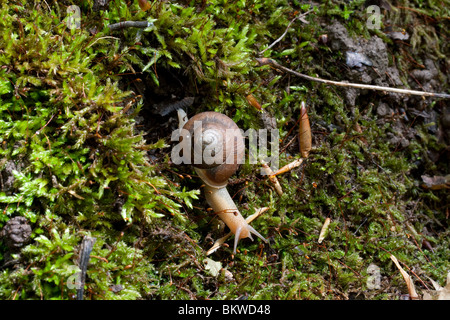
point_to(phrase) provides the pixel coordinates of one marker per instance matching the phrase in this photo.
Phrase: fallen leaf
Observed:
(213, 267)
(441, 293)
(409, 282)
(398, 35)
(228, 275)
(324, 230)
(436, 182)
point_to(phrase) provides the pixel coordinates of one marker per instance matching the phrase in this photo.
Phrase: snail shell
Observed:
(217, 146)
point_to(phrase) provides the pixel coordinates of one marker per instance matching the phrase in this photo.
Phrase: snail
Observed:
(217, 149)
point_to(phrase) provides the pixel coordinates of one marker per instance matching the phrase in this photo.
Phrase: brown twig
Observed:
(273, 63)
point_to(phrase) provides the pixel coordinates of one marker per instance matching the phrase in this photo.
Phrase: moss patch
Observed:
(85, 150)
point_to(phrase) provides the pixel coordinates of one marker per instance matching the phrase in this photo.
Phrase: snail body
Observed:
(219, 199)
(218, 148)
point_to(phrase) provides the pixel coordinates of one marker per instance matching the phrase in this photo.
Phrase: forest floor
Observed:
(86, 119)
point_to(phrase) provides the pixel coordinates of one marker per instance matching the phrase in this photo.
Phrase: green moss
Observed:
(83, 164)
(68, 123)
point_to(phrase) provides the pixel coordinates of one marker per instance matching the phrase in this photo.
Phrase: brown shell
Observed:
(225, 163)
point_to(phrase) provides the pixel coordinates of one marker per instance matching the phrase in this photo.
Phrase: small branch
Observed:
(130, 24)
(272, 177)
(273, 63)
(289, 25)
(85, 251)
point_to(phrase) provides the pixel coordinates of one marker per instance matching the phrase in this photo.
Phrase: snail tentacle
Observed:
(256, 233)
(236, 238)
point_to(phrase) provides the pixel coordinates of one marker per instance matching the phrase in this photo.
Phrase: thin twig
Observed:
(130, 24)
(287, 28)
(101, 38)
(272, 177)
(273, 63)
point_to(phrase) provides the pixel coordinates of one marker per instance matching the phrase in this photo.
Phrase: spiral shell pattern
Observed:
(217, 147)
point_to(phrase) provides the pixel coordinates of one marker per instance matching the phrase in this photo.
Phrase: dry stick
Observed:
(273, 63)
(130, 24)
(85, 251)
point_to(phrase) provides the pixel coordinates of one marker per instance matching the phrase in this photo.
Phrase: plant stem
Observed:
(273, 63)
(289, 25)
